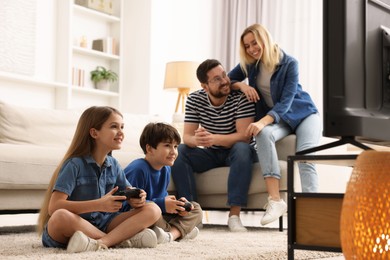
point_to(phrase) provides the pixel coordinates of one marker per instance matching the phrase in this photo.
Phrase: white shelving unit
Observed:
(77, 27)
(55, 87)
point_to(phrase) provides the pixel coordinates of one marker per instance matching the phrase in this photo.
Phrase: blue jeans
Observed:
(308, 135)
(240, 157)
(47, 241)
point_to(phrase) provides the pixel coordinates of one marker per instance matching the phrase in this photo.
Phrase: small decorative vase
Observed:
(365, 214)
(103, 85)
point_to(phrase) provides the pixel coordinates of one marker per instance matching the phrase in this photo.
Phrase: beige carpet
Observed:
(213, 242)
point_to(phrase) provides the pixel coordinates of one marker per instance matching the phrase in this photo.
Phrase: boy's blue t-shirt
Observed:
(155, 182)
(81, 178)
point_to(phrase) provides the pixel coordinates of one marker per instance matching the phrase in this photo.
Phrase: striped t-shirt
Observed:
(221, 119)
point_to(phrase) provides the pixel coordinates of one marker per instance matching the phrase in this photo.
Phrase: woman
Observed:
(80, 211)
(282, 108)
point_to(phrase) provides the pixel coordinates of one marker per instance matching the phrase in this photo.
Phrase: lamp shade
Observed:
(181, 74)
(365, 214)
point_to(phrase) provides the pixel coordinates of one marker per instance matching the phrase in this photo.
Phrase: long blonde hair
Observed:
(271, 51)
(82, 144)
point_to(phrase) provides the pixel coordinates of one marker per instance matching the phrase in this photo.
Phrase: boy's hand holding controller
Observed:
(181, 206)
(186, 206)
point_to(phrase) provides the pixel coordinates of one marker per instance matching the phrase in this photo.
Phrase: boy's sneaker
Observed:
(273, 210)
(162, 236)
(193, 234)
(79, 242)
(200, 225)
(235, 225)
(145, 238)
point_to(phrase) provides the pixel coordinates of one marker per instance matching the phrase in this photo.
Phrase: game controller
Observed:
(131, 193)
(187, 206)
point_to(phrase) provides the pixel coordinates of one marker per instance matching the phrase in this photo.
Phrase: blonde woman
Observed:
(282, 108)
(80, 212)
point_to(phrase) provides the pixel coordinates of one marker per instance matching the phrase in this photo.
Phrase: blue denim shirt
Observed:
(291, 103)
(81, 179)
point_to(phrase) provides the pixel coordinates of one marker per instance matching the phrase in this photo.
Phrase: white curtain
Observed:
(233, 16)
(296, 25)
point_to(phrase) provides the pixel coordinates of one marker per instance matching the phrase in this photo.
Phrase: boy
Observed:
(159, 142)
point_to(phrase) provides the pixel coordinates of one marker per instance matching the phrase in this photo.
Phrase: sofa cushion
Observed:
(40, 126)
(28, 166)
(286, 147)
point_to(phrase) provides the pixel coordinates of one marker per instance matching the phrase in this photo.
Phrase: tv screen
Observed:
(357, 70)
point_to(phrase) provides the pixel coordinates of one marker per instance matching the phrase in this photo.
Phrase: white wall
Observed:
(45, 54)
(38, 37)
(136, 50)
(181, 30)
(159, 32)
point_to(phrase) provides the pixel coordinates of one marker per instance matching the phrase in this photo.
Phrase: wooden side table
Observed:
(314, 218)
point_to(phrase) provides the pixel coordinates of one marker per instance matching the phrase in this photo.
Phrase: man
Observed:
(214, 136)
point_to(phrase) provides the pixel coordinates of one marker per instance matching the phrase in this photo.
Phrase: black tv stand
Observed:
(343, 140)
(314, 218)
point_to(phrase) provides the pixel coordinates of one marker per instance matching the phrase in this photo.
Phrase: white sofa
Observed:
(34, 140)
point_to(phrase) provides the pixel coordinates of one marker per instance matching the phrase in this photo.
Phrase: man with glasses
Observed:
(216, 118)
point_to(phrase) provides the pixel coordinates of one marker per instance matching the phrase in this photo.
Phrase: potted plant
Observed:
(102, 77)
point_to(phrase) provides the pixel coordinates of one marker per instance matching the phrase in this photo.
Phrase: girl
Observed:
(282, 108)
(79, 211)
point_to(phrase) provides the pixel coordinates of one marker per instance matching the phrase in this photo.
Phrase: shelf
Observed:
(96, 92)
(53, 87)
(96, 14)
(17, 78)
(93, 53)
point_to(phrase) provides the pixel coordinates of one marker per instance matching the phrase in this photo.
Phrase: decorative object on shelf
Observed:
(83, 42)
(102, 77)
(365, 214)
(78, 77)
(107, 45)
(181, 75)
(104, 6)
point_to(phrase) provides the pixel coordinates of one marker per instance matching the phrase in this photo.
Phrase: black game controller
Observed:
(132, 193)
(187, 206)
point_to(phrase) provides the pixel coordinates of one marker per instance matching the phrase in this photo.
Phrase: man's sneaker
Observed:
(162, 236)
(79, 242)
(194, 233)
(145, 238)
(273, 210)
(235, 225)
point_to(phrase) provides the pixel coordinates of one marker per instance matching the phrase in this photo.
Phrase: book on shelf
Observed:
(78, 76)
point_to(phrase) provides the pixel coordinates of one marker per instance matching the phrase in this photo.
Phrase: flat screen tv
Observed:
(356, 88)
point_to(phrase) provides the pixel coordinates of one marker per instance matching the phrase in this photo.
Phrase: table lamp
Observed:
(181, 75)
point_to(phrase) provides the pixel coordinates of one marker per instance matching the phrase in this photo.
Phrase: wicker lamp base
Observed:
(365, 214)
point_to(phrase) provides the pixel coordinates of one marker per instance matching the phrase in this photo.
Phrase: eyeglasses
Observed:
(218, 79)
